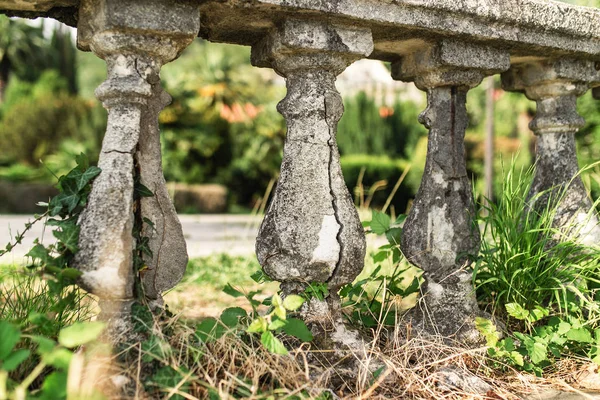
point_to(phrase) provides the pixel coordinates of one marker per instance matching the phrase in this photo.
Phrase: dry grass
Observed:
(411, 367)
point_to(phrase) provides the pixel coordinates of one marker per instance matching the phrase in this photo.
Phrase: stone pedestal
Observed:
(311, 232)
(555, 86)
(440, 232)
(135, 38)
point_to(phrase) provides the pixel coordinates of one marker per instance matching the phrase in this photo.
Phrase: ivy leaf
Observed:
(39, 252)
(10, 335)
(68, 235)
(80, 333)
(142, 191)
(297, 328)
(293, 302)
(82, 177)
(272, 344)
(380, 223)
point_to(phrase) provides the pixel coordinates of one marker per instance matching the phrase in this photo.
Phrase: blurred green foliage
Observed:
(223, 127)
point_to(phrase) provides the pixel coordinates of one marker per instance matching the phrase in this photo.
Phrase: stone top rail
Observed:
(524, 28)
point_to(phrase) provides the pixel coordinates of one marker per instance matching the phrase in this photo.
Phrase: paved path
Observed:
(205, 234)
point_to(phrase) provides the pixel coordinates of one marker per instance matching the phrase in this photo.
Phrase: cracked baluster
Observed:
(311, 231)
(135, 38)
(168, 262)
(555, 86)
(440, 232)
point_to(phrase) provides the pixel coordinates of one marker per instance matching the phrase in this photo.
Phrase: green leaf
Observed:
(258, 325)
(55, 386)
(167, 377)
(210, 329)
(380, 256)
(488, 330)
(80, 333)
(380, 222)
(82, 177)
(68, 235)
(39, 252)
(293, 302)
(82, 161)
(272, 344)
(297, 328)
(15, 359)
(400, 220)
(233, 292)
(538, 352)
(10, 335)
(394, 235)
(58, 358)
(581, 335)
(276, 323)
(260, 277)
(517, 311)
(70, 274)
(231, 316)
(517, 358)
(45, 345)
(142, 191)
(563, 327)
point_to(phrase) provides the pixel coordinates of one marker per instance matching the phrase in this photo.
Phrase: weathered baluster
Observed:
(440, 232)
(311, 232)
(135, 39)
(555, 86)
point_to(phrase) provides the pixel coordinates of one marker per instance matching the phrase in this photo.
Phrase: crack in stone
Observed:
(334, 200)
(118, 151)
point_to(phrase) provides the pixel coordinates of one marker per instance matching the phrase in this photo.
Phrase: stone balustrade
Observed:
(311, 233)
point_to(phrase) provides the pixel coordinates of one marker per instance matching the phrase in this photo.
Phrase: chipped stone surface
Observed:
(440, 233)
(134, 51)
(166, 241)
(555, 86)
(311, 231)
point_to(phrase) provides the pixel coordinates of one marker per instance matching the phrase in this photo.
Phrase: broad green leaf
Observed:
(380, 256)
(515, 310)
(15, 359)
(581, 335)
(70, 273)
(272, 344)
(293, 302)
(231, 316)
(82, 161)
(233, 292)
(538, 352)
(380, 222)
(45, 345)
(563, 327)
(297, 328)
(400, 220)
(80, 333)
(210, 329)
(10, 335)
(168, 377)
(260, 277)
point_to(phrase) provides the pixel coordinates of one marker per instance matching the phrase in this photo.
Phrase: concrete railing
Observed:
(549, 51)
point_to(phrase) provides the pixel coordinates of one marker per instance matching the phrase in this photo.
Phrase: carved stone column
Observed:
(135, 38)
(555, 86)
(440, 232)
(311, 232)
